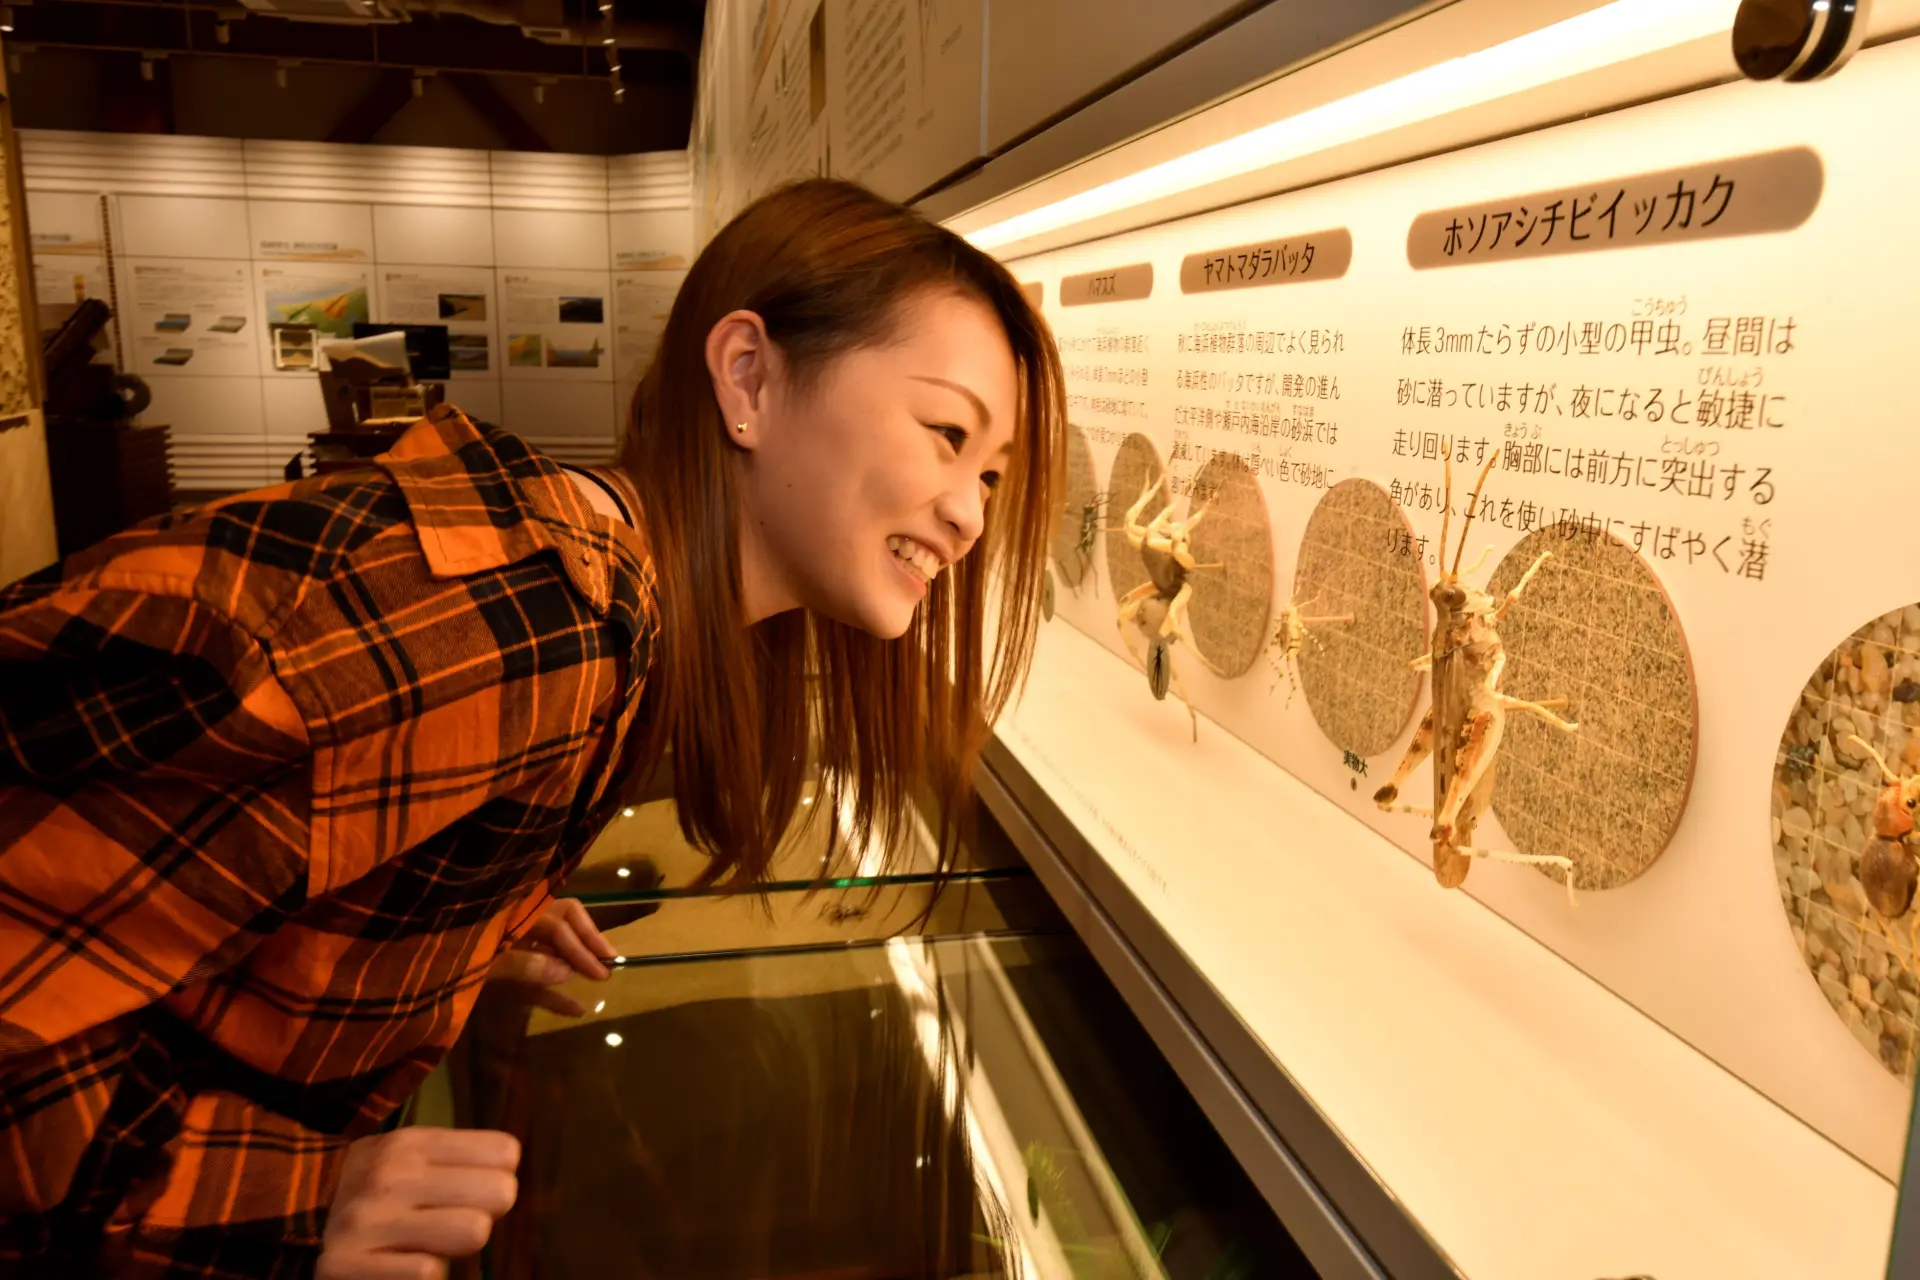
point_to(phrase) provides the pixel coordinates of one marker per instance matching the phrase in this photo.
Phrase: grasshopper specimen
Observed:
(1291, 631)
(1467, 714)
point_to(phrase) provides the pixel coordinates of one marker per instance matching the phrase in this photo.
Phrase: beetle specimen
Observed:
(1157, 608)
(1888, 871)
(1291, 630)
(1467, 714)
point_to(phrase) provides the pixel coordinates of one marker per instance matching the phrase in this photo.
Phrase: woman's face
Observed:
(860, 490)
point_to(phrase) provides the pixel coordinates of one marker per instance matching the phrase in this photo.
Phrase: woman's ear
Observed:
(740, 360)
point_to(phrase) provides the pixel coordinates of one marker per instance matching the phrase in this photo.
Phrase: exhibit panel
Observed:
(1577, 470)
(234, 260)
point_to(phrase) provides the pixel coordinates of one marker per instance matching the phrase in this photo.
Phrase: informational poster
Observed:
(459, 298)
(907, 92)
(328, 299)
(187, 316)
(310, 231)
(65, 223)
(556, 325)
(788, 130)
(642, 301)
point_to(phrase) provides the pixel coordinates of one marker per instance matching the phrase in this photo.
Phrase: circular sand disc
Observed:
(1229, 611)
(1082, 498)
(1136, 462)
(1824, 790)
(1358, 557)
(1596, 628)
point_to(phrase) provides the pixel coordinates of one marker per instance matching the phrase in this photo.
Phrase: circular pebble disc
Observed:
(1595, 627)
(1081, 495)
(1358, 557)
(1136, 462)
(1824, 789)
(1230, 610)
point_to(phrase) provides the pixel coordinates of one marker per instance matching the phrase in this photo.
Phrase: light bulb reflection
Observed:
(623, 873)
(613, 1039)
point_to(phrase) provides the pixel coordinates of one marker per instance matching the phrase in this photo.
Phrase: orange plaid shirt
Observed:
(279, 778)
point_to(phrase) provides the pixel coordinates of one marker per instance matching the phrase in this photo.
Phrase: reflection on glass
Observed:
(904, 1108)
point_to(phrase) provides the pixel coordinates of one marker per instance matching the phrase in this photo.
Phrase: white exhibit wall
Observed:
(1769, 535)
(552, 273)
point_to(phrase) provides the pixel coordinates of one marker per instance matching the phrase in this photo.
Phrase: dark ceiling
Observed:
(517, 75)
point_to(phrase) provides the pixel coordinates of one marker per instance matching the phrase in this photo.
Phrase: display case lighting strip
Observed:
(1591, 41)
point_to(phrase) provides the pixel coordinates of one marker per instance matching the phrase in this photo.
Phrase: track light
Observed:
(6, 18)
(419, 86)
(619, 94)
(613, 68)
(539, 93)
(146, 68)
(222, 30)
(280, 75)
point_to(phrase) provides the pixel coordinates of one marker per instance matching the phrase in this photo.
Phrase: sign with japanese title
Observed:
(1323, 255)
(1751, 195)
(1115, 284)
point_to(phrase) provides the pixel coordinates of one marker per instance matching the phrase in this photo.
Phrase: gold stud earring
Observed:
(741, 427)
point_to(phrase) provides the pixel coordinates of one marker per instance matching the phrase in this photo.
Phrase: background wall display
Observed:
(1825, 789)
(191, 316)
(1670, 398)
(239, 237)
(1357, 559)
(1594, 627)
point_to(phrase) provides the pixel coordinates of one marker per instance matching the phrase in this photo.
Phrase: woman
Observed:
(285, 780)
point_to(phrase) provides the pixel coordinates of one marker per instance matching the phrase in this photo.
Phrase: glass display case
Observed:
(834, 1080)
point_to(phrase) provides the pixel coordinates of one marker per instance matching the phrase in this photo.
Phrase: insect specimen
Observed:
(1888, 871)
(1467, 714)
(1291, 630)
(1089, 513)
(1156, 610)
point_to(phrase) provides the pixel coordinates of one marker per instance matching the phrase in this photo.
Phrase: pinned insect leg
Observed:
(1470, 790)
(1518, 587)
(1174, 630)
(1387, 797)
(1127, 619)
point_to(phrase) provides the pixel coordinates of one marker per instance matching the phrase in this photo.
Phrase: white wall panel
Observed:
(181, 227)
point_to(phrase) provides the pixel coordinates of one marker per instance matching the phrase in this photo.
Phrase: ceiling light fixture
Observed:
(222, 30)
(419, 86)
(540, 95)
(146, 67)
(1591, 41)
(6, 18)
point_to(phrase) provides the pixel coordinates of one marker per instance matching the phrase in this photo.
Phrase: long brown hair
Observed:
(826, 265)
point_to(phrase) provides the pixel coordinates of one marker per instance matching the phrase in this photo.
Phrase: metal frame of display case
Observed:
(1347, 1223)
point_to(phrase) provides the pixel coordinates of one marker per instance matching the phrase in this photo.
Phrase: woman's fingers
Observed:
(570, 934)
(582, 920)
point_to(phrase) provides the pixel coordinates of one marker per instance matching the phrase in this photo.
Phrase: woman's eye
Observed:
(954, 436)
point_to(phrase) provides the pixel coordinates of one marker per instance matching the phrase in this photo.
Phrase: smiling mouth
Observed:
(916, 558)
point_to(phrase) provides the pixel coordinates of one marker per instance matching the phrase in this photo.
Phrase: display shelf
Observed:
(1531, 1122)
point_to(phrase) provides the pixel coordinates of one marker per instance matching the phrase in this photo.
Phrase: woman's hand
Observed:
(560, 944)
(411, 1199)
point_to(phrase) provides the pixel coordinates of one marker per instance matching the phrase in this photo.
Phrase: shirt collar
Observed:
(484, 500)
